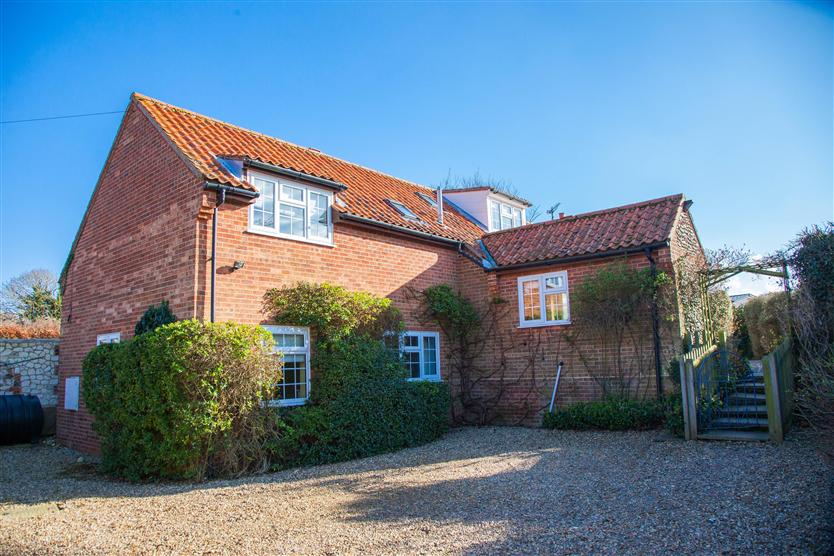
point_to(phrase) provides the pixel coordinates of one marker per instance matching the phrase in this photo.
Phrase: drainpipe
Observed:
(219, 200)
(658, 365)
(440, 206)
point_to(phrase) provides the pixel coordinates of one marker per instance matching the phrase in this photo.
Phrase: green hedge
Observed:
(363, 406)
(374, 417)
(182, 401)
(612, 413)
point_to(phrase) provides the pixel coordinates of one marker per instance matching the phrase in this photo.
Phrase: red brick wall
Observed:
(530, 356)
(689, 257)
(383, 263)
(136, 247)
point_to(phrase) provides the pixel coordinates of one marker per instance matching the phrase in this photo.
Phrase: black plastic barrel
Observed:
(21, 419)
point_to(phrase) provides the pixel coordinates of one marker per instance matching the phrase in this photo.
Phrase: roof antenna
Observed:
(552, 210)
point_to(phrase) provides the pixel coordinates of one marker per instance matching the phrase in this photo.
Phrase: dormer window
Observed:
(291, 210)
(403, 210)
(504, 216)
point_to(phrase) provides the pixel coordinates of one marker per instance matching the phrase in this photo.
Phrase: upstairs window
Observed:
(504, 216)
(543, 299)
(291, 210)
(293, 345)
(403, 210)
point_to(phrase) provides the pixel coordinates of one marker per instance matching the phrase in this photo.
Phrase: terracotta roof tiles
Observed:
(635, 225)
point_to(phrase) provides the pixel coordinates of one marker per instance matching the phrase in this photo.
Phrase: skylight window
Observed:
(427, 199)
(403, 210)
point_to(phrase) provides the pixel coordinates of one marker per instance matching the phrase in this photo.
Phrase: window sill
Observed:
(543, 324)
(270, 233)
(287, 403)
(425, 379)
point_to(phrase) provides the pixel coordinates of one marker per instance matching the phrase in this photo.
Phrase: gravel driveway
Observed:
(491, 490)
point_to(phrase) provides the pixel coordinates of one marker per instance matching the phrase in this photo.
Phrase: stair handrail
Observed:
(688, 362)
(778, 369)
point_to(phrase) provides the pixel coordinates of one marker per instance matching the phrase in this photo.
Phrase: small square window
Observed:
(543, 299)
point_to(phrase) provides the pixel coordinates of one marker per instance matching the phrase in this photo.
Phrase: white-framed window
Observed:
(503, 216)
(421, 354)
(543, 299)
(292, 343)
(110, 338)
(291, 210)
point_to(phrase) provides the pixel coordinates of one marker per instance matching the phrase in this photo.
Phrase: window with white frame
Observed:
(293, 345)
(421, 354)
(291, 210)
(110, 338)
(504, 216)
(543, 299)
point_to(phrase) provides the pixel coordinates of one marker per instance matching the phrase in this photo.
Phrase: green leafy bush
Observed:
(183, 401)
(612, 413)
(154, 317)
(332, 311)
(373, 416)
(361, 403)
(341, 364)
(674, 422)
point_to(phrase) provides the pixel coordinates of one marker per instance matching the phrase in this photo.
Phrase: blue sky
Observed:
(589, 104)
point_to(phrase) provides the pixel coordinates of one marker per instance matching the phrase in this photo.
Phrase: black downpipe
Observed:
(658, 365)
(220, 199)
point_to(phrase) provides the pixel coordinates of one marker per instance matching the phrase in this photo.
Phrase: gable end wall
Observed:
(137, 247)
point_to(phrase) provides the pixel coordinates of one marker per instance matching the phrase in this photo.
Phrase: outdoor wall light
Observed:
(238, 265)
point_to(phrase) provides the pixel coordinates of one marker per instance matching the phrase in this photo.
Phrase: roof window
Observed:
(403, 210)
(427, 199)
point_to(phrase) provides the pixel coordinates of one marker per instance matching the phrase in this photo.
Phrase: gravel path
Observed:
(491, 490)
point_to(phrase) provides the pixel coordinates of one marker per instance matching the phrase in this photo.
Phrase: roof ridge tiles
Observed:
(575, 217)
(311, 150)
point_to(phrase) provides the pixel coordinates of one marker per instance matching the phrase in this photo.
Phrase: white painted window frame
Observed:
(496, 226)
(274, 329)
(421, 334)
(541, 279)
(280, 199)
(109, 338)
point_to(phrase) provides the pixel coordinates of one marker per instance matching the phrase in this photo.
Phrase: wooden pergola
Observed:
(713, 276)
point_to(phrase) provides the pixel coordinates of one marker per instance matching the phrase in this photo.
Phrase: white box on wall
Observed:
(71, 385)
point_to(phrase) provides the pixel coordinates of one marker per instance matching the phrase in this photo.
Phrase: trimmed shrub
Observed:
(42, 328)
(339, 365)
(373, 416)
(154, 317)
(183, 401)
(764, 316)
(612, 413)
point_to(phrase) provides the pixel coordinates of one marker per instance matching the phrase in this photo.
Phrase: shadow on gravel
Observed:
(549, 491)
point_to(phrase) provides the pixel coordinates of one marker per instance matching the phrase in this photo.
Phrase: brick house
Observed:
(178, 187)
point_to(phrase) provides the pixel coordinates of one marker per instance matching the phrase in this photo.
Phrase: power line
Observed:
(61, 117)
